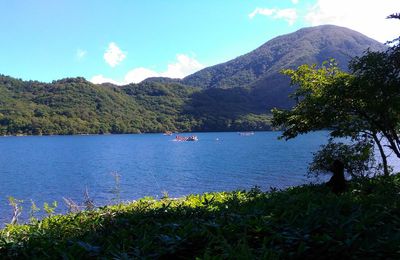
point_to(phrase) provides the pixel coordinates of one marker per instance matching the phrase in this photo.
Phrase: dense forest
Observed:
(76, 106)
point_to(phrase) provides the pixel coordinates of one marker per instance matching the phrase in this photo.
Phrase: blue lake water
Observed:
(48, 168)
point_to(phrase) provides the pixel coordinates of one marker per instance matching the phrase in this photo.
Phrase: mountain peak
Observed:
(307, 45)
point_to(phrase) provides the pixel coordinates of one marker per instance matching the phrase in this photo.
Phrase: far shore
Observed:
(84, 134)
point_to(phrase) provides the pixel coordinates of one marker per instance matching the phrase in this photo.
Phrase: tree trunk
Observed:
(383, 155)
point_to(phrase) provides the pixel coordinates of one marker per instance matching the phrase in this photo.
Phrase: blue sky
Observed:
(124, 41)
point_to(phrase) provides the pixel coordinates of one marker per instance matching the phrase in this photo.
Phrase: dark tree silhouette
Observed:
(337, 182)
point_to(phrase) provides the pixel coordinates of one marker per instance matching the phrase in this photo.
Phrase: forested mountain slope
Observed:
(260, 69)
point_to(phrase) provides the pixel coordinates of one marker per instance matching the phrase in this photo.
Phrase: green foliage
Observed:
(301, 222)
(358, 158)
(376, 94)
(32, 212)
(50, 208)
(76, 106)
(320, 103)
(363, 104)
(227, 109)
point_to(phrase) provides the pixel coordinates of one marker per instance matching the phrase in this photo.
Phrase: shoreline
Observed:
(99, 134)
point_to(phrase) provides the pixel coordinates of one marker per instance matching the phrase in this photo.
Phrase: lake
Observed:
(48, 168)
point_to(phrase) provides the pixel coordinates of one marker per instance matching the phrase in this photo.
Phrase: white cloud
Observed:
(98, 79)
(114, 55)
(288, 14)
(183, 66)
(80, 54)
(295, 1)
(262, 11)
(138, 74)
(367, 17)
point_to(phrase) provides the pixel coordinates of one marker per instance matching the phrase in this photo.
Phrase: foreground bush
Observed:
(308, 221)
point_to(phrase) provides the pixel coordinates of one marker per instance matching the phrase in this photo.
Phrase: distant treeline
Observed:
(77, 106)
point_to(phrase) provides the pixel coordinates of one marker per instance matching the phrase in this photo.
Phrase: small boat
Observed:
(169, 133)
(186, 138)
(192, 138)
(246, 133)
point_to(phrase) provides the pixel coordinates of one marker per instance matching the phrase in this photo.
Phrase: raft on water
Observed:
(186, 138)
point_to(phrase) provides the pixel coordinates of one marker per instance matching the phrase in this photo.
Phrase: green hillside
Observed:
(76, 106)
(260, 69)
(305, 46)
